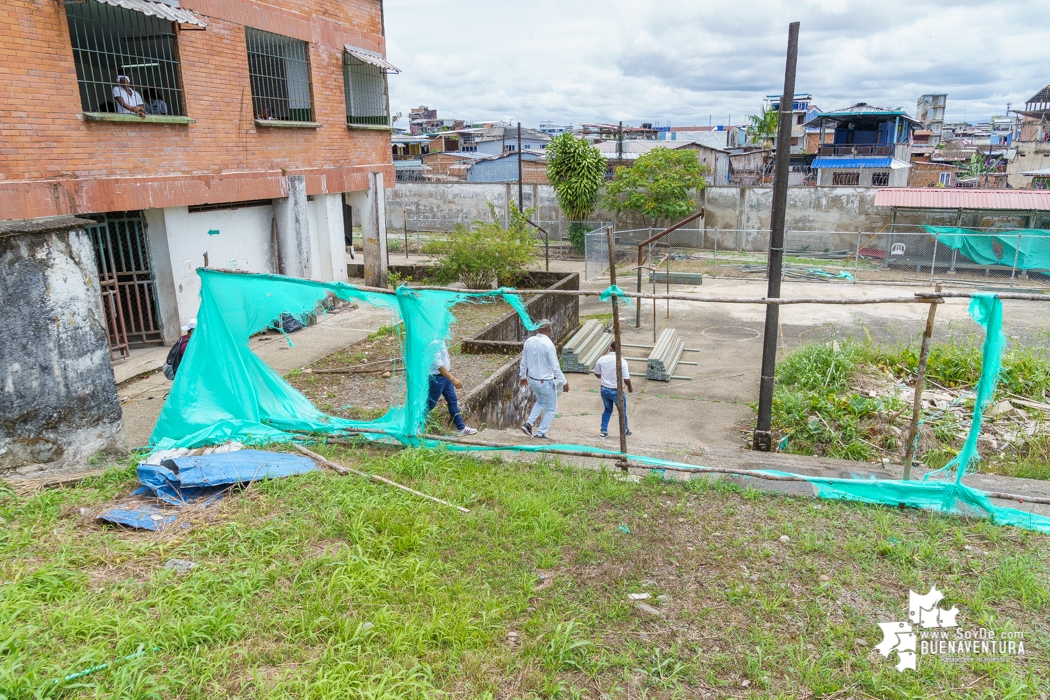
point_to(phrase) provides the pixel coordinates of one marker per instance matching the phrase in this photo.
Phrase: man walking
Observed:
(541, 372)
(443, 383)
(605, 370)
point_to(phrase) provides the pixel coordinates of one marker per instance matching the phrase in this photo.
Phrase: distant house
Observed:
(505, 140)
(448, 166)
(1033, 146)
(929, 111)
(870, 146)
(802, 112)
(927, 174)
(504, 168)
(716, 160)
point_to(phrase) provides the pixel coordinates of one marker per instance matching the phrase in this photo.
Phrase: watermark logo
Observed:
(932, 630)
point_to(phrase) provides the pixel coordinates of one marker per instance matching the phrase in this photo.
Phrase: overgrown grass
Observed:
(324, 586)
(816, 408)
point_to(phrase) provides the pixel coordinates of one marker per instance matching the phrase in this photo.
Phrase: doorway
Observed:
(126, 279)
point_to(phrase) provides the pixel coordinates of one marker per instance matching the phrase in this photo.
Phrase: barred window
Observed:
(845, 178)
(366, 92)
(279, 72)
(880, 179)
(111, 41)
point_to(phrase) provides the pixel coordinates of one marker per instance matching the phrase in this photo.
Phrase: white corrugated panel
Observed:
(371, 59)
(158, 9)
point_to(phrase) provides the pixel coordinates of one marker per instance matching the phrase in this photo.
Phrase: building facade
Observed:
(802, 111)
(869, 147)
(929, 111)
(216, 133)
(1033, 144)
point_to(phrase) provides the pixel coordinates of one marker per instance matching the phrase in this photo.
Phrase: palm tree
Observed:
(763, 126)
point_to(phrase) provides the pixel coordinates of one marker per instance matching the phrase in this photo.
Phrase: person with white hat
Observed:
(541, 372)
(171, 365)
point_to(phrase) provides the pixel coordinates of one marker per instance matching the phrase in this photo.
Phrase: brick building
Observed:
(242, 135)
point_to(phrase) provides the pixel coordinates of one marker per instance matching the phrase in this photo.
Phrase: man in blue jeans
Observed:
(605, 370)
(442, 383)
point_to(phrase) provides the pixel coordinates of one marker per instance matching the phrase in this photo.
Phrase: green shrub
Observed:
(577, 236)
(485, 253)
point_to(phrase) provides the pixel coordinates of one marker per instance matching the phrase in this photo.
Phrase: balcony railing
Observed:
(855, 149)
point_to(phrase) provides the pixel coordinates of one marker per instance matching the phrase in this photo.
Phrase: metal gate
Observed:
(129, 294)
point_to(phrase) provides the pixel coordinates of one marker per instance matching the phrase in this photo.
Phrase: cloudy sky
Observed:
(685, 62)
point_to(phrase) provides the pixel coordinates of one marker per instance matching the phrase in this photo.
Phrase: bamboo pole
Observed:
(347, 470)
(920, 378)
(754, 474)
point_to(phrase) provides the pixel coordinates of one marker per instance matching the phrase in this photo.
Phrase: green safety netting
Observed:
(1029, 248)
(224, 392)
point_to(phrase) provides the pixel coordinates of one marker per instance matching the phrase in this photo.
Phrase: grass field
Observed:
(323, 586)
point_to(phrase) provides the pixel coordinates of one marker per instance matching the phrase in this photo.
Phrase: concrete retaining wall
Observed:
(507, 335)
(58, 399)
(499, 402)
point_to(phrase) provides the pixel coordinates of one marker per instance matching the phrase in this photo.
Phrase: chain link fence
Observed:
(412, 235)
(990, 257)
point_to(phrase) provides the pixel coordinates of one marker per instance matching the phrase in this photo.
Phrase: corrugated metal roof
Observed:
(851, 163)
(937, 198)
(157, 9)
(371, 59)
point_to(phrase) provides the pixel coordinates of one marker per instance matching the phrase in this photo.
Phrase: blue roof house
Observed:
(864, 146)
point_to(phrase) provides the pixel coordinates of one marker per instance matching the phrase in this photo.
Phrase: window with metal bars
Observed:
(111, 41)
(880, 179)
(279, 72)
(366, 92)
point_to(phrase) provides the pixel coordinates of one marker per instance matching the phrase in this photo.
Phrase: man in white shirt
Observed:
(442, 383)
(541, 372)
(128, 100)
(605, 370)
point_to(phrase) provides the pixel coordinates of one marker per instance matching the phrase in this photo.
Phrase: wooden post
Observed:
(374, 230)
(621, 399)
(920, 377)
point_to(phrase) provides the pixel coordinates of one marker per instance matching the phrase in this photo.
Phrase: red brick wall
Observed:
(52, 161)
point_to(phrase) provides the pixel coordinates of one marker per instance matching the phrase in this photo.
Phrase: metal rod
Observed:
(520, 181)
(920, 377)
(638, 288)
(546, 244)
(715, 273)
(405, 214)
(856, 261)
(933, 263)
(667, 280)
(1017, 254)
(763, 437)
(347, 470)
(621, 399)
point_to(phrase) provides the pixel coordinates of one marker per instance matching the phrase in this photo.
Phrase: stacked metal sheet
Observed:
(663, 360)
(585, 347)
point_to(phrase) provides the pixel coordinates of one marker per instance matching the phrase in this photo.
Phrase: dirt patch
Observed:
(378, 381)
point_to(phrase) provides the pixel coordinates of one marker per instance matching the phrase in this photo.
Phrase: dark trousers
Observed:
(441, 386)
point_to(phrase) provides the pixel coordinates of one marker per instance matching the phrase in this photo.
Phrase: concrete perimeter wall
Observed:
(831, 209)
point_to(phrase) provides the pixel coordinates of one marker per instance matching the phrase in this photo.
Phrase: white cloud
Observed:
(677, 61)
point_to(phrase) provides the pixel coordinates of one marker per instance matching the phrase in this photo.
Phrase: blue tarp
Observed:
(850, 162)
(200, 480)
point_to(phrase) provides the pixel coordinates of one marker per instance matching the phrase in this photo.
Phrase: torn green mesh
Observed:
(224, 392)
(1029, 248)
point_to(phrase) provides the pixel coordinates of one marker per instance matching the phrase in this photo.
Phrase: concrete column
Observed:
(374, 231)
(336, 241)
(58, 400)
(163, 275)
(293, 229)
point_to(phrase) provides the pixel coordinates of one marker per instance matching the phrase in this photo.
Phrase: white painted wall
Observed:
(243, 242)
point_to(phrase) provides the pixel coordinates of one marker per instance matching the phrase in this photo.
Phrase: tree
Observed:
(487, 252)
(576, 170)
(657, 185)
(763, 126)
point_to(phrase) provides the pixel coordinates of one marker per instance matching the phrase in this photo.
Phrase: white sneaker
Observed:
(468, 431)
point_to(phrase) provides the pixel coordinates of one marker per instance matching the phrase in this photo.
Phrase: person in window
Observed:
(128, 100)
(264, 113)
(154, 105)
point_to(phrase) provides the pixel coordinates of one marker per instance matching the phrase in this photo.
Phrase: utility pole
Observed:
(619, 144)
(763, 437)
(520, 181)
